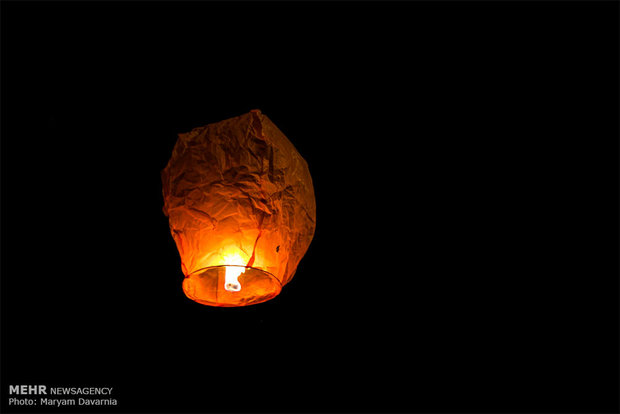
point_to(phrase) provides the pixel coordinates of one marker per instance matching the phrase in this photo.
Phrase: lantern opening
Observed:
(231, 285)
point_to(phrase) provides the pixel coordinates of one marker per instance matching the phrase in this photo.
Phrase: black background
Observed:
(464, 162)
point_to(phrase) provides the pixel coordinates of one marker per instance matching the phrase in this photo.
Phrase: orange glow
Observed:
(241, 210)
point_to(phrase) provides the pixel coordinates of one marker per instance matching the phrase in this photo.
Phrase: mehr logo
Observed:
(27, 389)
(60, 396)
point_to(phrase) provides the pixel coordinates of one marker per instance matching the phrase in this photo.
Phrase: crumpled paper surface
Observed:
(238, 190)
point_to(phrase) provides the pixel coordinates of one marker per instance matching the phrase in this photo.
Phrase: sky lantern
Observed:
(241, 210)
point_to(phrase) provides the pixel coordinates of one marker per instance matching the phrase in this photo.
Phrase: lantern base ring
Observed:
(231, 286)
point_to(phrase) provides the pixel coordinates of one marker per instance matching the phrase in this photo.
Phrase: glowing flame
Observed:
(231, 283)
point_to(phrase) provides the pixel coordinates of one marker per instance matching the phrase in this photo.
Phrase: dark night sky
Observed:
(464, 162)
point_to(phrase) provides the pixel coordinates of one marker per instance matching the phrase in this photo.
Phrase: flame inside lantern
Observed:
(233, 263)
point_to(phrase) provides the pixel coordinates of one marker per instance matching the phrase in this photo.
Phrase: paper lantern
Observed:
(241, 210)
